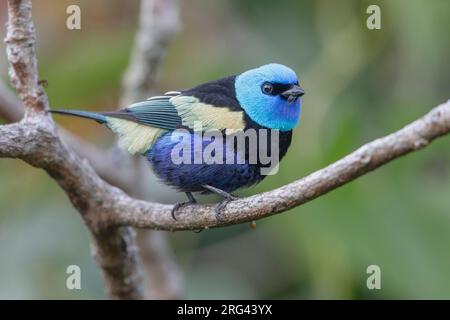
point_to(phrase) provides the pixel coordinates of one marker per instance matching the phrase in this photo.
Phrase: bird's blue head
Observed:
(270, 95)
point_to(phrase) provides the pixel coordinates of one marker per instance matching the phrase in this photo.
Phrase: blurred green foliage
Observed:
(360, 85)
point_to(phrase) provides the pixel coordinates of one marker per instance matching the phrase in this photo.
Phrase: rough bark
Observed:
(114, 251)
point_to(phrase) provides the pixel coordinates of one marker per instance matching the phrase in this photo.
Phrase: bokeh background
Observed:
(360, 85)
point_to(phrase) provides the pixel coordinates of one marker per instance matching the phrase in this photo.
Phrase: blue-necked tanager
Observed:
(267, 97)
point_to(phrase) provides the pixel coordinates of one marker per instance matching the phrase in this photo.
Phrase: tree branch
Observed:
(42, 150)
(369, 157)
(20, 49)
(12, 110)
(158, 23)
(35, 140)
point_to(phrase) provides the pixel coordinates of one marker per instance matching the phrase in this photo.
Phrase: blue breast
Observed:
(189, 177)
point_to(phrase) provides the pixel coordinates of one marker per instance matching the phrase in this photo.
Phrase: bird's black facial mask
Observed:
(290, 92)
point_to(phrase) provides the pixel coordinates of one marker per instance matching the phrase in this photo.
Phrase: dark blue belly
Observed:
(189, 177)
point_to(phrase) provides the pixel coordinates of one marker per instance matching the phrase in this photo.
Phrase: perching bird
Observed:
(267, 97)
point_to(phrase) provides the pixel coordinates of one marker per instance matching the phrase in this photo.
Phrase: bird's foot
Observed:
(222, 205)
(179, 205)
(228, 197)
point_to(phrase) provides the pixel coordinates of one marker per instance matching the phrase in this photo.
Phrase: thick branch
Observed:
(12, 110)
(39, 145)
(20, 49)
(101, 160)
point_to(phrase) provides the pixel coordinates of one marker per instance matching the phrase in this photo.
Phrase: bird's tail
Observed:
(82, 114)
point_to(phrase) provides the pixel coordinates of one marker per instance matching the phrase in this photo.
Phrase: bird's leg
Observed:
(227, 197)
(178, 205)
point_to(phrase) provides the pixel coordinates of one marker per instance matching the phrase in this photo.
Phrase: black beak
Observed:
(293, 93)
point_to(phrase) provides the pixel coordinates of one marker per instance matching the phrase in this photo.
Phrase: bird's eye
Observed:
(267, 88)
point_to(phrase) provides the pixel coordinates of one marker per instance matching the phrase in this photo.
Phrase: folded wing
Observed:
(140, 124)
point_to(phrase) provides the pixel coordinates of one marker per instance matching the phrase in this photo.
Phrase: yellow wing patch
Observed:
(191, 110)
(134, 137)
